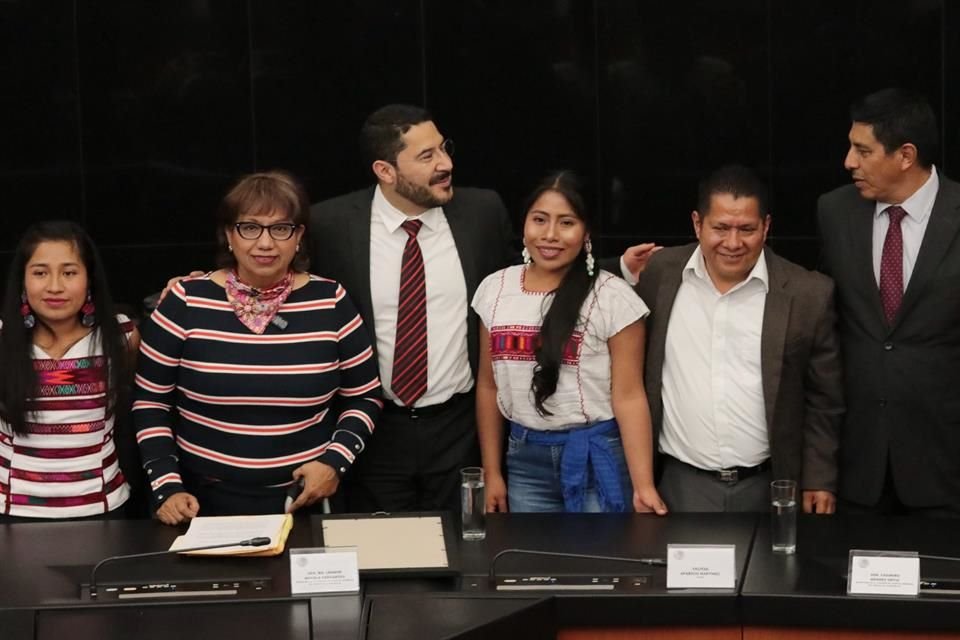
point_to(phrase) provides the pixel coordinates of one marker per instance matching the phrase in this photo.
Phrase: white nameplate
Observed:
(324, 570)
(884, 573)
(701, 566)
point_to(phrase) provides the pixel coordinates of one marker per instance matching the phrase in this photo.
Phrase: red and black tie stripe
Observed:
(409, 380)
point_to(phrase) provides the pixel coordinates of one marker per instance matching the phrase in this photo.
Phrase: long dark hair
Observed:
(561, 319)
(18, 380)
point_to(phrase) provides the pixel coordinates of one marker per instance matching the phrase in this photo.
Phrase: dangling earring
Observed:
(588, 246)
(86, 312)
(29, 321)
(229, 247)
(298, 248)
(527, 258)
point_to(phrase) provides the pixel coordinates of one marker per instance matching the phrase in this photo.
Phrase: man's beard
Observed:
(422, 196)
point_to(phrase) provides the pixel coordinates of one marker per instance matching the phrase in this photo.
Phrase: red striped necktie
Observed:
(891, 265)
(409, 380)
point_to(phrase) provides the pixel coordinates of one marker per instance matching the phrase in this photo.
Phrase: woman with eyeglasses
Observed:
(255, 377)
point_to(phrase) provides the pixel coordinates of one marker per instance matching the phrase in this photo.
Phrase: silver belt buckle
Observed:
(728, 475)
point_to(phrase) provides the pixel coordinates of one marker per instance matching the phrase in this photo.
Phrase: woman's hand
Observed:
(178, 508)
(647, 499)
(495, 490)
(319, 481)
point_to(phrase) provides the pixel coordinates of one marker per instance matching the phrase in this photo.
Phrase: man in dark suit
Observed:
(890, 241)
(427, 430)
(742, 365)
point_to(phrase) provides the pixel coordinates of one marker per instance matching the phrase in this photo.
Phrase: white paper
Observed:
(701, 566)
(324, 570)
(224, 529)
(884, 575)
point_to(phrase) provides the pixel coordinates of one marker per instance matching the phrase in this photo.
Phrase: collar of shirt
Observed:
(919, 205)
(392, 217)
(696, 268)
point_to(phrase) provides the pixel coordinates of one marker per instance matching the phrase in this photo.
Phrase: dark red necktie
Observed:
(409, 380)
(891, 265)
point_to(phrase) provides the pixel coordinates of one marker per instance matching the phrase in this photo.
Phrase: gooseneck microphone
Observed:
(251, 542)
(560, 554)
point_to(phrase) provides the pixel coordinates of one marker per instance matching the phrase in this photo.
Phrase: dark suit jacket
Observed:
(799, 360)
(901, 380)
(340, 245)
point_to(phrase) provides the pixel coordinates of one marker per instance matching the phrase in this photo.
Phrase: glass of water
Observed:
(472, 503)
(783, 516)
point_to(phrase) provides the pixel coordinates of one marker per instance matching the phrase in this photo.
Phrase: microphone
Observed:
(251, 542)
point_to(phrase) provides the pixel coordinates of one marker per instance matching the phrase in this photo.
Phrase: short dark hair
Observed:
(262, 194)
(898, 117)
(381, 136)
(737, 180)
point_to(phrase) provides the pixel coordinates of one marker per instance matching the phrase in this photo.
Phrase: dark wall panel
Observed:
(514, 84)
(684, 89)
(318, 69)
(40, 174)
(134, 116)
(167, 115)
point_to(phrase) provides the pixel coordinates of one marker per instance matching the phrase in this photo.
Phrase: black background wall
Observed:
(133, 116)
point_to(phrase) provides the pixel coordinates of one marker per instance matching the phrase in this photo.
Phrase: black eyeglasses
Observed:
(253, 230)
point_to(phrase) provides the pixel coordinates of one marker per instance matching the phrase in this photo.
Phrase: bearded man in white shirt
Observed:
(743, 367)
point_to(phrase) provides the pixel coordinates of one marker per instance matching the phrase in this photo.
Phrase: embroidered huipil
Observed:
(66, 466)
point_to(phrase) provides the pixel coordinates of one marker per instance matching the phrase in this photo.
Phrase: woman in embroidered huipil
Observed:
(561, 358)
(67, 362)
(255, 376)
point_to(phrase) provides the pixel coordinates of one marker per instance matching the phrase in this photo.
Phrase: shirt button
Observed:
(149, 470)
(343, 469)
(159, 497)
(888, 346)
(357, 447)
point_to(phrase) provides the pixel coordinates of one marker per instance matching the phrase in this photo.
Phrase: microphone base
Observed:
(114, 591)
(573, 582)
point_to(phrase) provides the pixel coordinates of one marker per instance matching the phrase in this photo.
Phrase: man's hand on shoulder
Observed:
(634, 260)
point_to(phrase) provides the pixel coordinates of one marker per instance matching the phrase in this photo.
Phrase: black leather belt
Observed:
(731, 475)
(415, 413)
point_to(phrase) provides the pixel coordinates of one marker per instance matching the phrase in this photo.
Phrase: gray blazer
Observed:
(799, 360)
(340, 246)
(901, 380)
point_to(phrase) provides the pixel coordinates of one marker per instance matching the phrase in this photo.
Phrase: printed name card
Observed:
(883, 573)
(324, 570)
(701, 566)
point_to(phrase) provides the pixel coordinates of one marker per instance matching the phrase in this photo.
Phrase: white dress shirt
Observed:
(713, 408)
(918, 207)
(448, 365)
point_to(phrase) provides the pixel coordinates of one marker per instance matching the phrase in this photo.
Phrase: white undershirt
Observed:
(448, 365)
(713, 407)
(918, 207)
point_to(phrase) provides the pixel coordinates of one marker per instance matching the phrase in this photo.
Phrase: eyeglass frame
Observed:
(285, 225)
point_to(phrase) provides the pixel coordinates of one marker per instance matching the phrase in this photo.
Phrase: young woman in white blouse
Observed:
(561, 361)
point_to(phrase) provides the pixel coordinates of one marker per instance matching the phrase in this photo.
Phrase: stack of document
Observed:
(215, 530)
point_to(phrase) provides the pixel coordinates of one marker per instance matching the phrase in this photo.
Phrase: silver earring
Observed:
(588, 246)
(527, 258)
(229, 247)
(298, 248)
